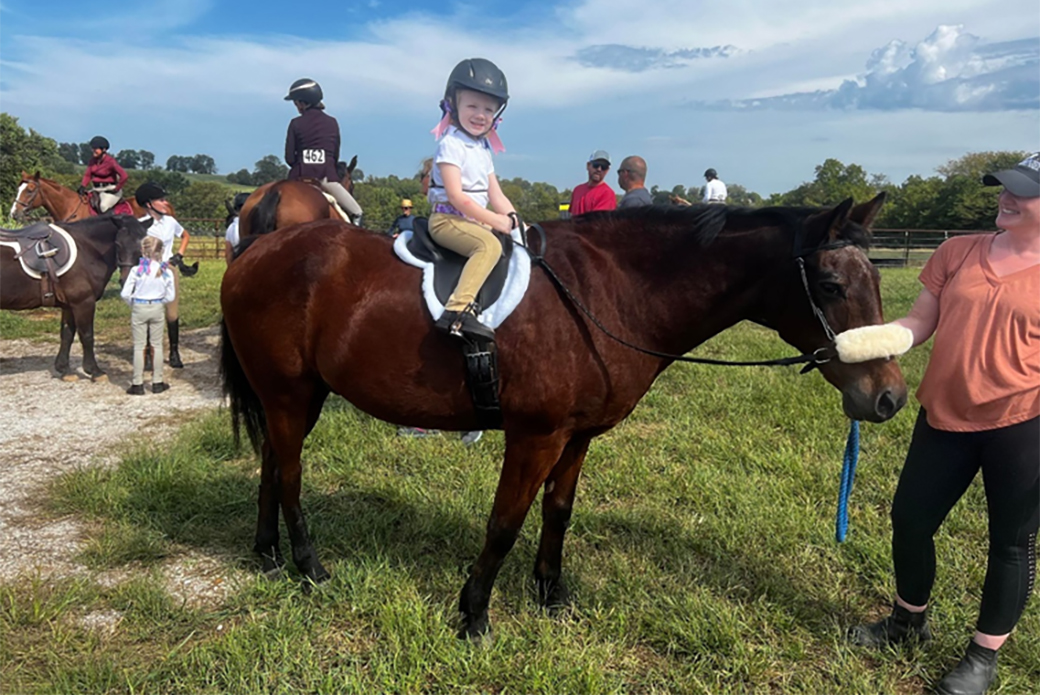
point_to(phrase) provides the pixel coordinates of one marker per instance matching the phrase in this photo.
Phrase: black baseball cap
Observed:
(1023, 180)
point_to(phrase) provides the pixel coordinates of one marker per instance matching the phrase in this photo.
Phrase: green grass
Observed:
(701, 556)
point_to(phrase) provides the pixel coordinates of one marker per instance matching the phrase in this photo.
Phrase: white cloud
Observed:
(950, 70)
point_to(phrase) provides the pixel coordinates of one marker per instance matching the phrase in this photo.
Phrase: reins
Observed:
(811, 360)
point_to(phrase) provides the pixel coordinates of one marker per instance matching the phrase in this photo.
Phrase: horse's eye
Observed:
(832, 289)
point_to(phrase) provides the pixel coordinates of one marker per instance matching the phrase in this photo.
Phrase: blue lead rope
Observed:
(848, 474)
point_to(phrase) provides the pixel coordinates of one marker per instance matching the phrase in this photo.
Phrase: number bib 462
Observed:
(314, 156)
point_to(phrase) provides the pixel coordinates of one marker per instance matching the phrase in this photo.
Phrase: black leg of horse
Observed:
(527, 463)
(286, 429)
(557, 503)
(267, 540)
(84, 314)
(267, 536)
(68, 334)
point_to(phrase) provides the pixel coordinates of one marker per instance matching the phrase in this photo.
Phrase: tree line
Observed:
(952, 198)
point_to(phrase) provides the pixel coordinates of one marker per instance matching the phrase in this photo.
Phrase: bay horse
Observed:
(347, 318)
(62, 204)
(284, 203)
(104, 243)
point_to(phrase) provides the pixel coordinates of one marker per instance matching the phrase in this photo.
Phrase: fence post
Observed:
(906, 248)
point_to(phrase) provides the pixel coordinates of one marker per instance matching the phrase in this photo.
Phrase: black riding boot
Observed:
(464, 324)
(175, 334)
(899, 626)
(973, 675)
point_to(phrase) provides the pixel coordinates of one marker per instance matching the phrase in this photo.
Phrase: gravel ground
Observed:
(53, 426)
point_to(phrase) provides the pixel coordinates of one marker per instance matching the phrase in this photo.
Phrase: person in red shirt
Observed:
(104, 175)
(596, 194)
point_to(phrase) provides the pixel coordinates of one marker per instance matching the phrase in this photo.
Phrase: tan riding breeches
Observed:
(474, 241)
(108, 196)
(173, 308)
(146, 326)
(342, 196)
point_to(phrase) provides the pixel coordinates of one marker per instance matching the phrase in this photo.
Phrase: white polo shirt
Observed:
(231, 235)
(472, 157)
(165, 229)
(715, 191)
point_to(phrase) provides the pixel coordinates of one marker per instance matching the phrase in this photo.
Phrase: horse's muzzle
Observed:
(873, 407)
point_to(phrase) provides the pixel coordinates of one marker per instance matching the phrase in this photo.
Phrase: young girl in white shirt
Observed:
(148, 289)
(464, 183)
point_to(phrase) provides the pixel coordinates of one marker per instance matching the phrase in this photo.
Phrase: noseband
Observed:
(27, 205)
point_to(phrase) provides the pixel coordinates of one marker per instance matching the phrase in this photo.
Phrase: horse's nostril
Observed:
(886, 405)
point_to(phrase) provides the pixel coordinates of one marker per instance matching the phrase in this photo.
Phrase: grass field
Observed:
(701, 555)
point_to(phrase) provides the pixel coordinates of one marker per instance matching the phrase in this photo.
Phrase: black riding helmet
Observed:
(99, 143)
(149, 192)
(239, 201)
(306, 90)
(711, 174)
(479, 75)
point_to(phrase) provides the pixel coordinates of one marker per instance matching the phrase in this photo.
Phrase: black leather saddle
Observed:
(43, 249)
(448, 264)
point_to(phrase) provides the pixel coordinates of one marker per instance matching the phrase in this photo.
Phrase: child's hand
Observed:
(504, 224)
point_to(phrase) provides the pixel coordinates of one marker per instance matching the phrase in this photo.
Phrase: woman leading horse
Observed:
(351, 321)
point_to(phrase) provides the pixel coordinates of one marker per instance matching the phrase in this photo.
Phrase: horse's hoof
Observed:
(70, 378)
(314, 579)
(99, 378)
(477, 631)
(554, 597)
(273, 574)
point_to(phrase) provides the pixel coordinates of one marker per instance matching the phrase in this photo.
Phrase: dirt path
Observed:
(51, 426)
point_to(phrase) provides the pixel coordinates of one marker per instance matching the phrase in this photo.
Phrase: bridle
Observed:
(36, 191)
(811, 360)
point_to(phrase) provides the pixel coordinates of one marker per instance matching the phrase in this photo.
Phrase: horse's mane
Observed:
(707, 222)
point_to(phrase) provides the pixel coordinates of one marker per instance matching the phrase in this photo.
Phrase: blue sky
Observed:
(762, 91)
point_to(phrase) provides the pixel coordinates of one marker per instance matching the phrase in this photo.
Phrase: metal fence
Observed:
(910, 247)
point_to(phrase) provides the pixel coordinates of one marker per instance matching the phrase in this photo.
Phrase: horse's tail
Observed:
(263, 217)
(246, 407)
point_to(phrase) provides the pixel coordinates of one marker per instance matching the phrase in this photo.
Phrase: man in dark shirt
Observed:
(312, 145)
(404, 221)
(632, 179)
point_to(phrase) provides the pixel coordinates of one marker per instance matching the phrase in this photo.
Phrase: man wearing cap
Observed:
(595, 194)
(404, 221)
(631, 176)
(980, 410)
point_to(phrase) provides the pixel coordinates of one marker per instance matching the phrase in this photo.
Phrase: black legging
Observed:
(939, 467)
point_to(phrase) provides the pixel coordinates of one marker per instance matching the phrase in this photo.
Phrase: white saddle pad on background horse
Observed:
(517, 279)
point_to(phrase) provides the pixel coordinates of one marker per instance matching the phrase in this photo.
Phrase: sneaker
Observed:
(136, 390)
(160, 387)
(470, 438)
(416, 432)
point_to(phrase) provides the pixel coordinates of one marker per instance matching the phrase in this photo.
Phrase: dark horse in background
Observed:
(285, 203)
(349, 319)
(103, 244)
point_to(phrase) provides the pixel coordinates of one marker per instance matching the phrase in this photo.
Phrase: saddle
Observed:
(123, 207)
(45, 252)
(448, 265)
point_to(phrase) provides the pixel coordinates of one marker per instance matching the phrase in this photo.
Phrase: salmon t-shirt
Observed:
(984, 371)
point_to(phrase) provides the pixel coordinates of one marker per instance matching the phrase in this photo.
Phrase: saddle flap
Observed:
(42, 249)
(448, 265)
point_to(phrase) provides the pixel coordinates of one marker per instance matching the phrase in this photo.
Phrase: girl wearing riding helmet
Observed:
(104, 174)
(463, 184)
(312, 145)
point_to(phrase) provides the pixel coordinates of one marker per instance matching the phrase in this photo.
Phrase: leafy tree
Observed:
(241, 177)
(976, 164)
(203, 164)
(69, 151)
(738, 195)
(204, 199)
(269, 169)
(25, 151)
(129, 159)
(172, 181)
(85, 152)
(146, 158)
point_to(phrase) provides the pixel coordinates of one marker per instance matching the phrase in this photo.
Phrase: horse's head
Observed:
(346, 173)
(129, 234)
(842, 282)
(27, 197)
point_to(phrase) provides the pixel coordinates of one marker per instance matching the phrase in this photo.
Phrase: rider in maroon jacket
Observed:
(104, 174)
(312, 145)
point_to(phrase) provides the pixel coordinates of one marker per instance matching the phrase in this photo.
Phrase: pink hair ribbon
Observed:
(442, 127)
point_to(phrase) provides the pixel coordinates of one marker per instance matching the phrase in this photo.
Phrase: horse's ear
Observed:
(353, 163)
(227, 204)
(25, 175)
(36, 176)
(147, 223)
(865, 213)
(838, 216)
